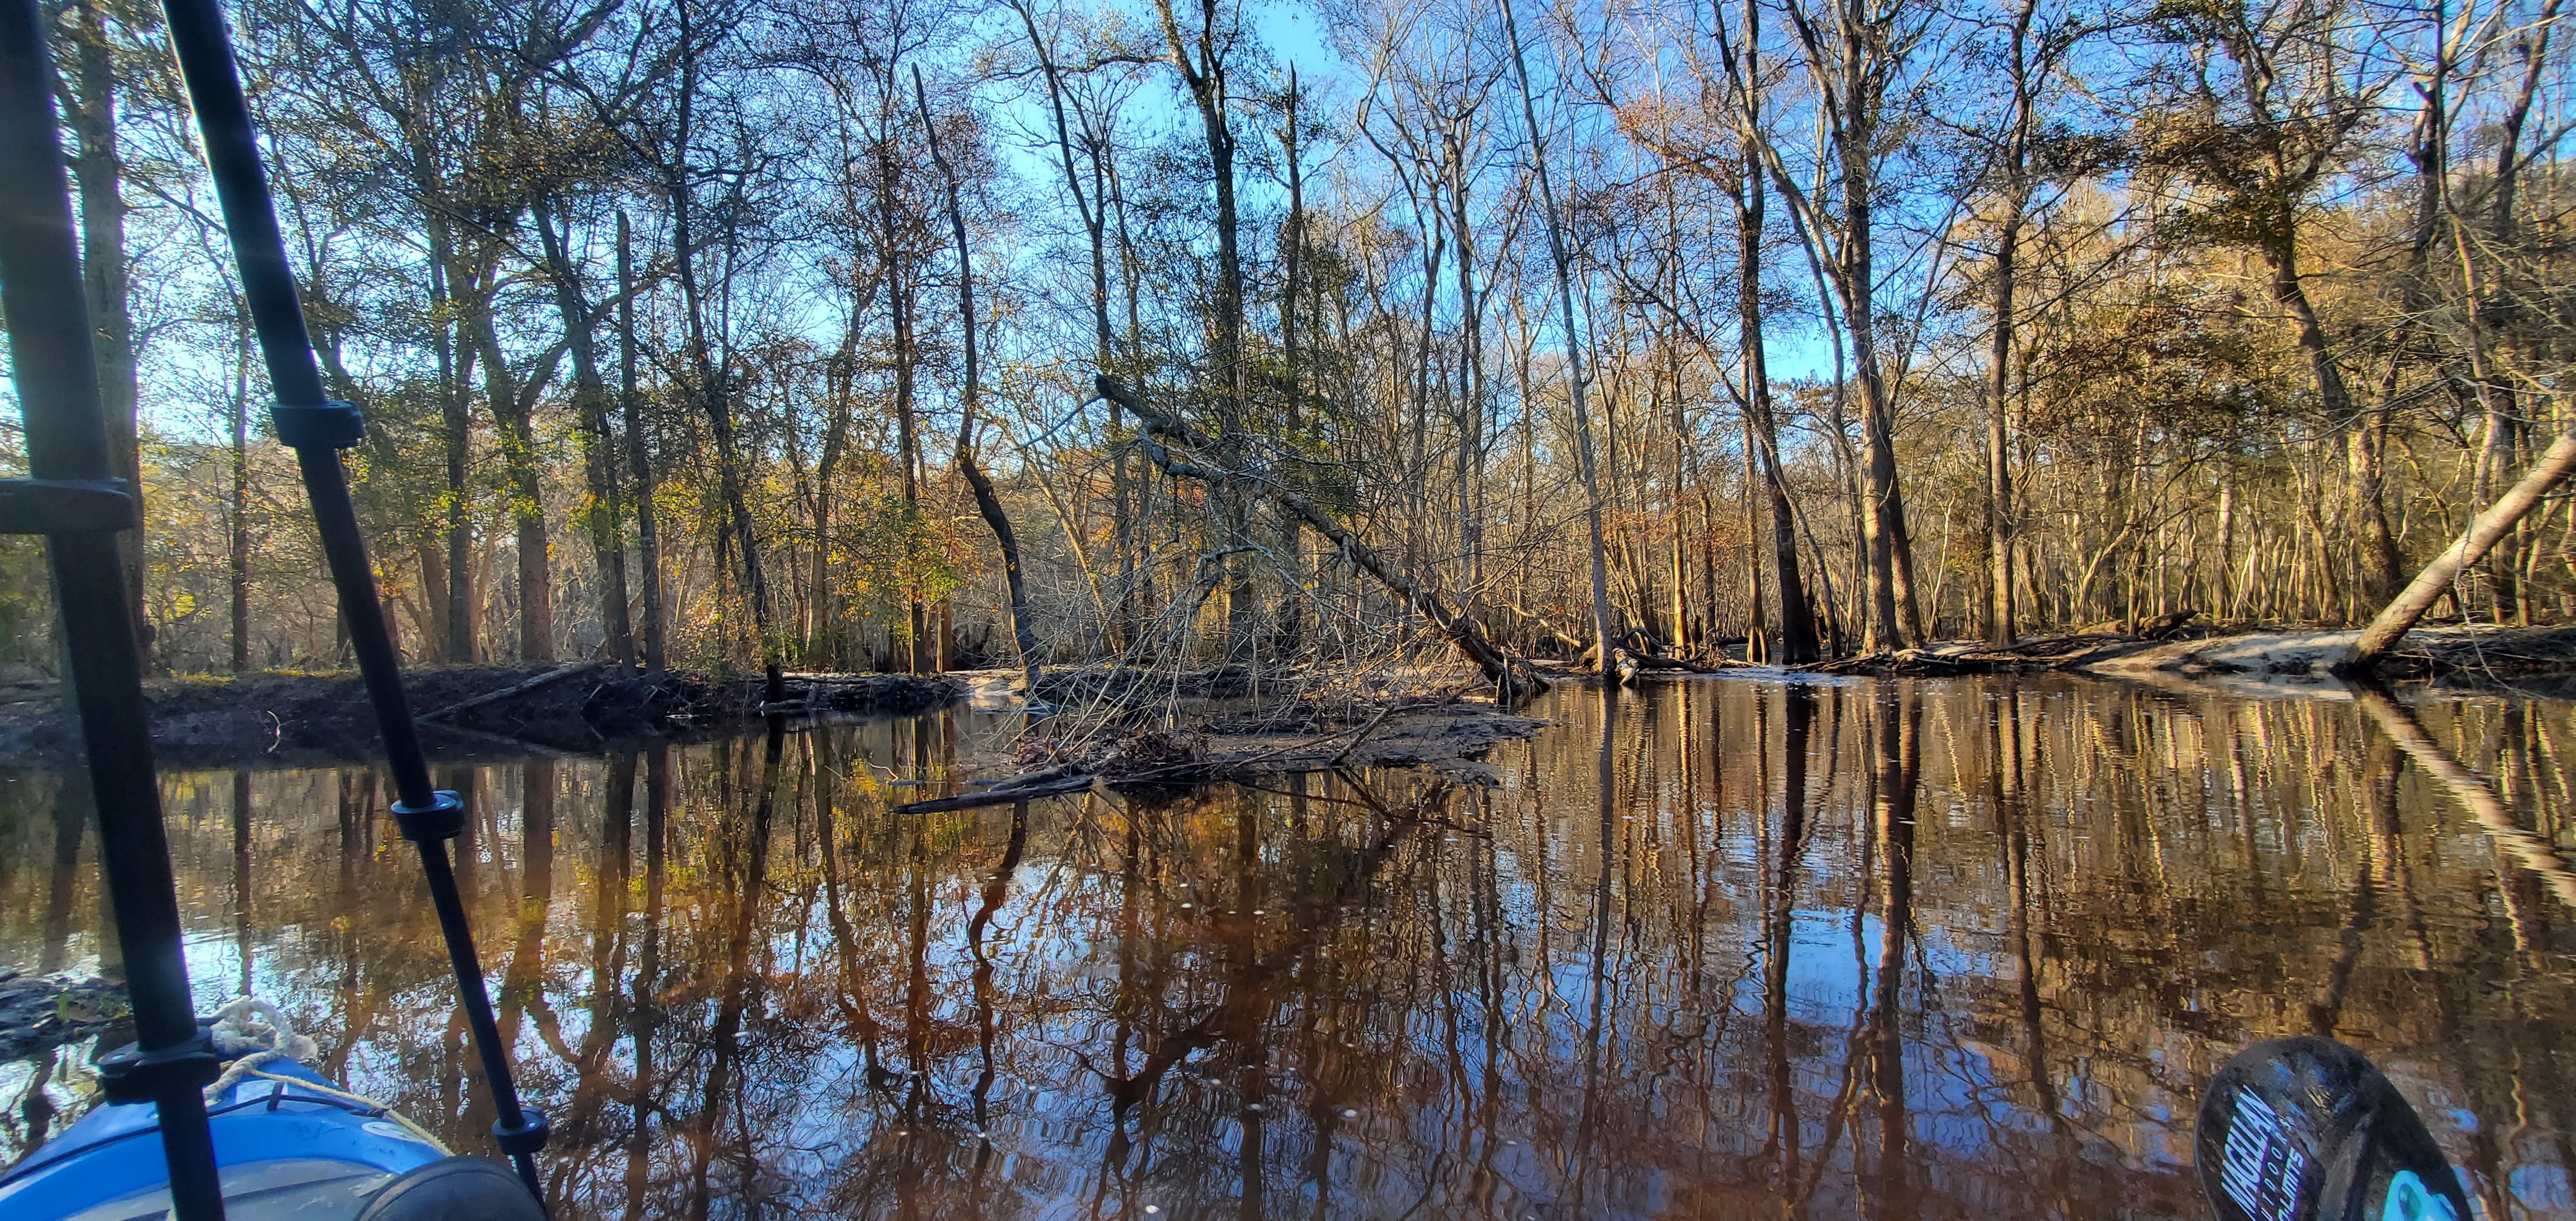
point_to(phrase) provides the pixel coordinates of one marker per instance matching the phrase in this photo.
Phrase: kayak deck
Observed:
(287, 1143)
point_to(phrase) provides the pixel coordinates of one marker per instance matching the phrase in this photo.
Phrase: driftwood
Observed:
(558, 674)
(2047, 653)
(2166, 627)
(1648, 661)
(1512, 677)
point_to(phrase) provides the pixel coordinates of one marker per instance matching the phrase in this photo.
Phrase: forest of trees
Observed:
(911, 335)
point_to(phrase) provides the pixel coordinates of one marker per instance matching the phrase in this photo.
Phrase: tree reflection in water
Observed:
(1716, 948)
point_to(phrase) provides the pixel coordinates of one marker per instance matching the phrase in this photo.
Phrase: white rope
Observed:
(254, 1032)
(426, 1136)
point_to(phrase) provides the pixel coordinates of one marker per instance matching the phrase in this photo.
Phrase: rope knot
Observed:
(253, 1032)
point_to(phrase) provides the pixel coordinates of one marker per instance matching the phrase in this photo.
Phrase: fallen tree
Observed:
(2483, 533)
(1163, 433)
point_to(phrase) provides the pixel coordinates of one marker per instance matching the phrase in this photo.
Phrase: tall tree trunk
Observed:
(1851, 58)
(1604, 642)
(1471, 378)
(1757, 631)
(513, 421)
(1292, 603)
(987, 501)
(1896, 618)
(713, 375)
(1797, 618)
(1203, 70)
(1882, 512)
(457, 435)
(237, 551)
(604, 515)
(2222, 593)
(2000, 628)
(2531, 49)
(922, 656)
(648, 543)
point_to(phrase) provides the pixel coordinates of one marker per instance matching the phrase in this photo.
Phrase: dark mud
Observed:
(282, 720)
(39, 1012)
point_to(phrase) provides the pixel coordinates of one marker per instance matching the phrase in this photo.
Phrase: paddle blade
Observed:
(2304, 1129)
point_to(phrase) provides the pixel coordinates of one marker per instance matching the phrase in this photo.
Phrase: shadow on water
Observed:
(1721, 948)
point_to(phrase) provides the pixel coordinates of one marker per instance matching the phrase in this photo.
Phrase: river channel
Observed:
(1723, 947)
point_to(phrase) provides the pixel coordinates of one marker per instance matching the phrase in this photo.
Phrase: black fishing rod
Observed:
(74, 498)
(318, 428)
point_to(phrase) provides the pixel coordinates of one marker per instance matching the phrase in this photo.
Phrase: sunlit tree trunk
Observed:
(1762, 437)
(1604, 639)
(648, 543)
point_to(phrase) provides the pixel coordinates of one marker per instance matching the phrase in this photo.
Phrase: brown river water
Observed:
(1730, 948)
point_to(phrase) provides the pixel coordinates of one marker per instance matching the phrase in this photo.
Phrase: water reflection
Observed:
(1723, 948)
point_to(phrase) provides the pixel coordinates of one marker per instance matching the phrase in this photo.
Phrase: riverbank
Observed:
(1174, 729)
(289, 719)
(2463, 654)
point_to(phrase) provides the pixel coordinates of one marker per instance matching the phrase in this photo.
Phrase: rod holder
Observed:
(131, 1074)
(442, 818)
(67, 506)
(329, 424)
(524, 1137)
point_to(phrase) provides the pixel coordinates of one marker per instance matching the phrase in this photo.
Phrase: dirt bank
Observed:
(2460, 653)
(2463, 654)
(286, 720)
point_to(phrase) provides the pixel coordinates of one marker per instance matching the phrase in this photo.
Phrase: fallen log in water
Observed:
(2052, 653)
